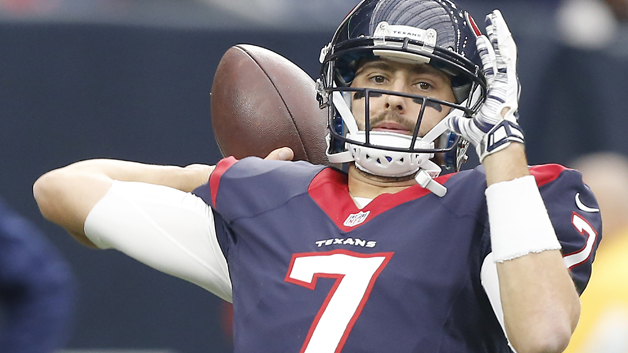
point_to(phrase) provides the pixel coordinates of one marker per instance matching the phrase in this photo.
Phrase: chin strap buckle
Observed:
(425, 180)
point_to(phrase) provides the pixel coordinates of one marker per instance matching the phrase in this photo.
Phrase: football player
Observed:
(384, 255)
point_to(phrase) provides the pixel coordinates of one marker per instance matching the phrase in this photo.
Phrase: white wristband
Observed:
(519, 221)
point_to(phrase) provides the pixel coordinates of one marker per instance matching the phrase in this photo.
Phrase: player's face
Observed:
(399, 114)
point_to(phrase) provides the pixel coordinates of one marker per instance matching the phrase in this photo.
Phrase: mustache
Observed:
(428, 103)
(392, 116)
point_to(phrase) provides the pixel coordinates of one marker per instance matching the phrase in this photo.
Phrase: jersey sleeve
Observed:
(576, 219)
(250, 186)
(164, 228)
(575, 215)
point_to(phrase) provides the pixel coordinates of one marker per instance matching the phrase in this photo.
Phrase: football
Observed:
(261, 101)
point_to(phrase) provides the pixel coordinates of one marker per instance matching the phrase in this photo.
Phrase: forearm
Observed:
(540, 303)
(66, 196)
(541, 306)
(506, 165)
(184, 179)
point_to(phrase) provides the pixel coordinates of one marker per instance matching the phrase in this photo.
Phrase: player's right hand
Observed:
(495, 126)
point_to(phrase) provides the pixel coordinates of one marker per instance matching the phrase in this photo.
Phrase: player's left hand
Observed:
(495, 126)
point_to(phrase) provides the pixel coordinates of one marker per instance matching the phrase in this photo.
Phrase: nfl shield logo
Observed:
(356, 218)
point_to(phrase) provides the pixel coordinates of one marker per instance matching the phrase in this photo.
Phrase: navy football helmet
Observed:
(434, 32)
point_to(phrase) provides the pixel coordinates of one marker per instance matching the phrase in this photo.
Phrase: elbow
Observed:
(555, 343)
(60, 200)
(43, 190)
(547, 340)
(51, 192)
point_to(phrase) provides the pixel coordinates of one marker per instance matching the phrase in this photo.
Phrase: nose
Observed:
(396, 103)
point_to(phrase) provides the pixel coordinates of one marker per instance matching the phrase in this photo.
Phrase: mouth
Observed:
(390, 126)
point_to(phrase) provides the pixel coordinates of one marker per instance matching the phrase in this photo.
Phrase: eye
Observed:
(424, 86)
(379, 79)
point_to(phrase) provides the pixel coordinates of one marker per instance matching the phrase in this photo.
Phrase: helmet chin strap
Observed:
(352, 126)
(345, 113)
(425, 175)
(428, 170)
(424, 179)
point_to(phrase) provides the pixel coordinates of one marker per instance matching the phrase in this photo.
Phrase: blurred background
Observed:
(130, 79)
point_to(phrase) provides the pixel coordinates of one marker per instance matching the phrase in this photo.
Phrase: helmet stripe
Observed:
(476, 29)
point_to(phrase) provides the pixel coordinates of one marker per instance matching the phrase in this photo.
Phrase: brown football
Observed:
(261, 101)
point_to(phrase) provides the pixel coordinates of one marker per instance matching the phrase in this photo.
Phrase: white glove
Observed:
(488, 130)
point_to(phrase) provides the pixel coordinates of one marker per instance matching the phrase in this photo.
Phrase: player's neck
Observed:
(362, 184)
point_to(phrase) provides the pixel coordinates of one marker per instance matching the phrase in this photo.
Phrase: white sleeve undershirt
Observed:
(164, 228)
(490, 282)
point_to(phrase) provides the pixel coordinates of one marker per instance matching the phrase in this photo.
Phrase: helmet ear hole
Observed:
(458, 153)
(342, 81)
(461, 92)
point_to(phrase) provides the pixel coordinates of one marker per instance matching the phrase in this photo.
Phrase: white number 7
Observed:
(584, 228)
(355, 275)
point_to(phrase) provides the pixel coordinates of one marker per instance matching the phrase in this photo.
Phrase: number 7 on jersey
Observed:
(355, 276)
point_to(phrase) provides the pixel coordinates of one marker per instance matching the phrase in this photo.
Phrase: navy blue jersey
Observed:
(311, 272)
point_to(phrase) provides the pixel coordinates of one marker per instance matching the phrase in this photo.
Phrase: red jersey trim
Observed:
(214, 178)
(330, 190)
(546, 173)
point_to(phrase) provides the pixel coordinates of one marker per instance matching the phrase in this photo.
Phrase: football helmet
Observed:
(434, 32)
